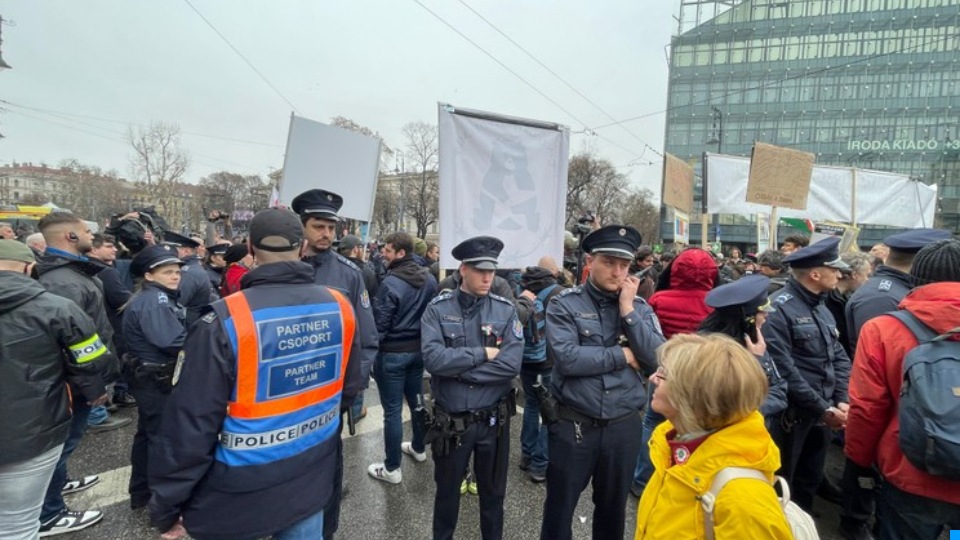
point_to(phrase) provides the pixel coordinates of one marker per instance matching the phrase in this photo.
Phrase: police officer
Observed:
(603, 338)
(153, 332)
(740, 310)
(318, 213)
(215, 264)
(195, 290)
(250, 438)
(803, 341)
(881, 293)
(472, 343)
(890, 282)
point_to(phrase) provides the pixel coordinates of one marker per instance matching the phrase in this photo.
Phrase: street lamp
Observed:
(717, 134)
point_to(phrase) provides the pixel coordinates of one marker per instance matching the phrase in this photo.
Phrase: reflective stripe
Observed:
(246, 405)
(88, 350)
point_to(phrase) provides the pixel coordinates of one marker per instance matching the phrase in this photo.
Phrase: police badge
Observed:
(517, 329)
(365, 300)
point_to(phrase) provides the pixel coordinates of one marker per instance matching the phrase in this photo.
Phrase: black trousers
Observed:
(803, 450)
(858, 498)
(150, 403)
(482, 442)
(331, 513)
(607, 456)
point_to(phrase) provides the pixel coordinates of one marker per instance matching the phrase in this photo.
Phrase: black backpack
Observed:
(930, 400)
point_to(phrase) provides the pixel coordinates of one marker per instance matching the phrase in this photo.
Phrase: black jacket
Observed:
(399, 304)
(154, 325)
(75, 279)
(237, 502)
(880, 294)
(45, 342)
(115, 296)
(370, 280)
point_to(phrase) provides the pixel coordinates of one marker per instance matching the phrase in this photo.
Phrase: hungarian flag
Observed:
(798, 223)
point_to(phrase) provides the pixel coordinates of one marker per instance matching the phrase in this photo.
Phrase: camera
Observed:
(585, 223)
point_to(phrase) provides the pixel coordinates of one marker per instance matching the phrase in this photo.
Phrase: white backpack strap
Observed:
(709, 499)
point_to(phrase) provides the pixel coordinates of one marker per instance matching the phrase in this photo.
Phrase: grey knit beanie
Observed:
(937, 262)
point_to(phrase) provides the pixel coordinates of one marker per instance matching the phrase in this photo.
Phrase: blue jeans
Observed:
(651, 419)
(53, 503)
(308, 529)
(533, 434)
(399, 376)
(98, 415)
(905, 515)
(22, 485)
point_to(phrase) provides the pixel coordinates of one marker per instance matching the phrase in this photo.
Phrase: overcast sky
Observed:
(83, 71)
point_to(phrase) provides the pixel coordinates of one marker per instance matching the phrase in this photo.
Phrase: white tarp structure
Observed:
(882, 198)
(334, 159)
(504, 177)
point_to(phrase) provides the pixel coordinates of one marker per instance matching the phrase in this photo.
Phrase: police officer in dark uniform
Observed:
(890, 282)
(153, 332)
(803, 341)
(195, 290)
(318, 213)
(472, 343)
(604, 339)
(881, 293)
(250, 437)
(215, 265)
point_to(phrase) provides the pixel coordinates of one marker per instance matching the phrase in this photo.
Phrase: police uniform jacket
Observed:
(591, 375)
(214, 274)
(802, 339)
(154, 325)
(331, 269)
(221, 501)
(880, 294)
(454, 330)
(195, 291)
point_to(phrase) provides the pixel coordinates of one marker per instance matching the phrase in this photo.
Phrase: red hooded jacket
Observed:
(873, 426)
(681, 307)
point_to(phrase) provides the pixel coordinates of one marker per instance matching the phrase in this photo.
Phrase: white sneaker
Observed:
(407, 448)
(70, 521)
(380, 472)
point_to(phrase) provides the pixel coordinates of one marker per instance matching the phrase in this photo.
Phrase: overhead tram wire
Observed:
(774, 83)
(558, 77)
(244, 58)
(119, 139)
(518, 76)
(64, 115)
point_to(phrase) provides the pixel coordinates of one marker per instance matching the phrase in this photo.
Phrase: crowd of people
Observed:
(681, 378)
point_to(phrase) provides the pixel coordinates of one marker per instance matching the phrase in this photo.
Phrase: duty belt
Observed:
(571, 415)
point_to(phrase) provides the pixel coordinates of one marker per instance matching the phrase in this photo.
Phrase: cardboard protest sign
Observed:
(779, 176)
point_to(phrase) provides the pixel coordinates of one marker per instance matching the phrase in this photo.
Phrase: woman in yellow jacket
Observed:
(709, 388)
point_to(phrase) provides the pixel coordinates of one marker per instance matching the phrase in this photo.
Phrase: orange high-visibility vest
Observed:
(291, 361)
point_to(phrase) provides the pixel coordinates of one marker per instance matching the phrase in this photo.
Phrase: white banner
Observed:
(883, 198)
(334, 159)
(502, 177)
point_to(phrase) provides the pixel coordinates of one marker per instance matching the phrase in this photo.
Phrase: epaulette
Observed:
(445, 295)
(209, 317)
(348, 262)
(500, 298)
(571, 290)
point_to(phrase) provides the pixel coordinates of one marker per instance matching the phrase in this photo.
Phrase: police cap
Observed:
(748, 292)
(480, 252)
(914, 240)
(619, 241)
(179, 240)
(823, 253)
(154, 257)
(318, 203)
(217, 249)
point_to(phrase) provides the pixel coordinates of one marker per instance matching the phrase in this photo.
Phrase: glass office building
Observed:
(873, 84)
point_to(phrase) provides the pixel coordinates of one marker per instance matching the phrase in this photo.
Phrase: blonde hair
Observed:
(713, 381)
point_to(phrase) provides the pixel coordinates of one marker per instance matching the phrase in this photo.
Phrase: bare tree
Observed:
(386, 208)
(229, 191)
(639, 211)
(594, 185)
(158, 160)
(420, 191)
(90, 192)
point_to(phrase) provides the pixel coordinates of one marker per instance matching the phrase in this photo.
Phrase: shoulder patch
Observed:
(885, 285)
(500, 298)
(209, 317)
(571, 290)
(347, 262)
(365, 299)
(162, 298)
(783, 298)
(517, 329)
(446, 295)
